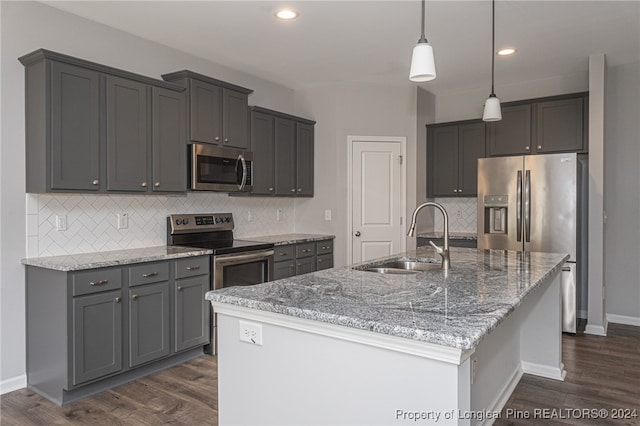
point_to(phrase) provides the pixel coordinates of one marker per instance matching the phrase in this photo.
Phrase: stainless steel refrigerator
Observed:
(533, 203)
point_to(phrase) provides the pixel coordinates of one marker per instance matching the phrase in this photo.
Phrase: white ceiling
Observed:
(371, 41)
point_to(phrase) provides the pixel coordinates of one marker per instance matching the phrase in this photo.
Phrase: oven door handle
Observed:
(229, 258)
(243, 163)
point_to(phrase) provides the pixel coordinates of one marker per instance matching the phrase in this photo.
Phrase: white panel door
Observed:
(376, 200)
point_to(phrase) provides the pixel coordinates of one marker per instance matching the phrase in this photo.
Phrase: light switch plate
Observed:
(327, 215)
(123, 221)
(61, 222)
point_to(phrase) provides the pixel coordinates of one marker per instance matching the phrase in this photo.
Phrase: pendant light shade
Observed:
(492, 111)
(423, 66)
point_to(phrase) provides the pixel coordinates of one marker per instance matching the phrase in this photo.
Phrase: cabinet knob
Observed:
(226, 140)
(539, 146)
(293, 190)
(357, 234)
(217, 138)
(134, 297)
(157, 184)
(179, 288)
(270, 189)
(95, 181)
(143, 184)
(455, 190)
(526, 148)
(459, 190)
(299, 189)
(118, 299)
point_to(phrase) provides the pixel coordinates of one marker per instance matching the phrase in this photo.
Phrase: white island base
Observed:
(312, 373)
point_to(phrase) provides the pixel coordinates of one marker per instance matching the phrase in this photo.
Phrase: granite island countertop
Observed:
(284, 239)
(101, 259)
(454, 308)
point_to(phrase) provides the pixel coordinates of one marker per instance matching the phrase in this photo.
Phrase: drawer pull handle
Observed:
(150, 274)
(319, 260)
(193, 268)
(134, 297)
(101, 282)
(284, 254)
(118, 299)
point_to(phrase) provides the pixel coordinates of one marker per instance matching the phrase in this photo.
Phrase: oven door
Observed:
(246, 268)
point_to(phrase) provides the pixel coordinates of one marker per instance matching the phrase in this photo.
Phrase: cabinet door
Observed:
(168, 141)
(235, 119)
(304, 159)
(148, 323)
(471, 143)
(127, 143)
(284, 269)
(97, 336)
(558, 126)
(75, 128)
(512, 134)
(262, 146)
(191, 312)
(206, 112)
(285, 163)
(305, 265)
(443, 162)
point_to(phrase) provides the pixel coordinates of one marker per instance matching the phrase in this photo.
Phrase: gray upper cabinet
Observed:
(539, 126)
(304, 159)
(512, 134)
(452, 156)
(89, 127)
(168, 141)
(218, 111)
(262, 145)
(127, 132)
(283, 152)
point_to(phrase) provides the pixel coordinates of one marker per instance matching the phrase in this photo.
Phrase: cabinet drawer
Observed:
(148, 273)
(305, 265)
(96, 280)
(324, 261)
(192, 266)
(286, 252)
(323, 247)
(305, 250)
(284, 269)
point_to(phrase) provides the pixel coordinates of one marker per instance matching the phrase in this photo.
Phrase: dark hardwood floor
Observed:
(602, 373)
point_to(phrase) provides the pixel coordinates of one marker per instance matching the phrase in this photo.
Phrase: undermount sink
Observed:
(401, 267)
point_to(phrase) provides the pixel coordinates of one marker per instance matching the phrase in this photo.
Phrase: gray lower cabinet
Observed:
(89, 330)
(283, 148)
(302, 258)
(93, 128)
(218, 111)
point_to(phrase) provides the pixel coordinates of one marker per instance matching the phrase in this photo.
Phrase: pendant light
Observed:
(492, 110)
(423, 66)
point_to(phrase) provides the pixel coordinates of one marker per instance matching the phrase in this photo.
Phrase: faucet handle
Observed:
(439, 250)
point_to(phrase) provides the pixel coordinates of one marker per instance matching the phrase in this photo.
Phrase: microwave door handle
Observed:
(519, 207)
(243, 163)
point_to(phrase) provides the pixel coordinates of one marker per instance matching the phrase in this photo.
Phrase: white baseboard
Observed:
(623, 319)
(14, 383)
(504, 395)
(544, 370)
(597, 330)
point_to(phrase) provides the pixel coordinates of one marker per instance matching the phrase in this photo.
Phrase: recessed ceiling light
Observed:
(286, 14)
(507, 51)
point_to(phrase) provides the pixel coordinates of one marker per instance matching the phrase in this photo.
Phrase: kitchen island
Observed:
(348, 346)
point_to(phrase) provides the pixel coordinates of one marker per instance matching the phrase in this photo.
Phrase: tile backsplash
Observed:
(463, 214)
(91, 220)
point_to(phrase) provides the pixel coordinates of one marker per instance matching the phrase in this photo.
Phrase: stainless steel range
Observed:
(234, 262)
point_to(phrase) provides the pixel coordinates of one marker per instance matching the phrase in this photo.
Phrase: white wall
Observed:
(27, 26)
(426, 114)
(351, 110)
(622, 201)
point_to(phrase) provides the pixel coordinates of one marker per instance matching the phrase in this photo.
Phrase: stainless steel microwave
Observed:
(214, 168)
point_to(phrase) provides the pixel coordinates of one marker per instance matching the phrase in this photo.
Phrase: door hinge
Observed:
(400, 157)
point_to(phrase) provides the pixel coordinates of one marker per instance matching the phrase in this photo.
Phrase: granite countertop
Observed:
(452, 235)
(454, 308)
(77, 262)
(284, 239)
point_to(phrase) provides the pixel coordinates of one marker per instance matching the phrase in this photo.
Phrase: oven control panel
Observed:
(200, 222)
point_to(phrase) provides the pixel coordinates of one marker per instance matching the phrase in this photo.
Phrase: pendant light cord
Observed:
(423, 39)
(493, 43)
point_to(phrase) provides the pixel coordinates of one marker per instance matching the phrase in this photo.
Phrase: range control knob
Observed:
(185, 221)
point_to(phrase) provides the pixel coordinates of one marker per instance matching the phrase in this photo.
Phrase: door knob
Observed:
(357, 233)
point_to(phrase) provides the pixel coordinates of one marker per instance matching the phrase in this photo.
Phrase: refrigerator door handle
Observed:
(519, 207)
(527, 206)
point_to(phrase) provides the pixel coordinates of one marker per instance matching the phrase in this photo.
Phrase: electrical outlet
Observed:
(327, 215)
(61, 222)
(474, 369)
(249, 216)
(278, 214)
(251, 332)
(123, 221)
